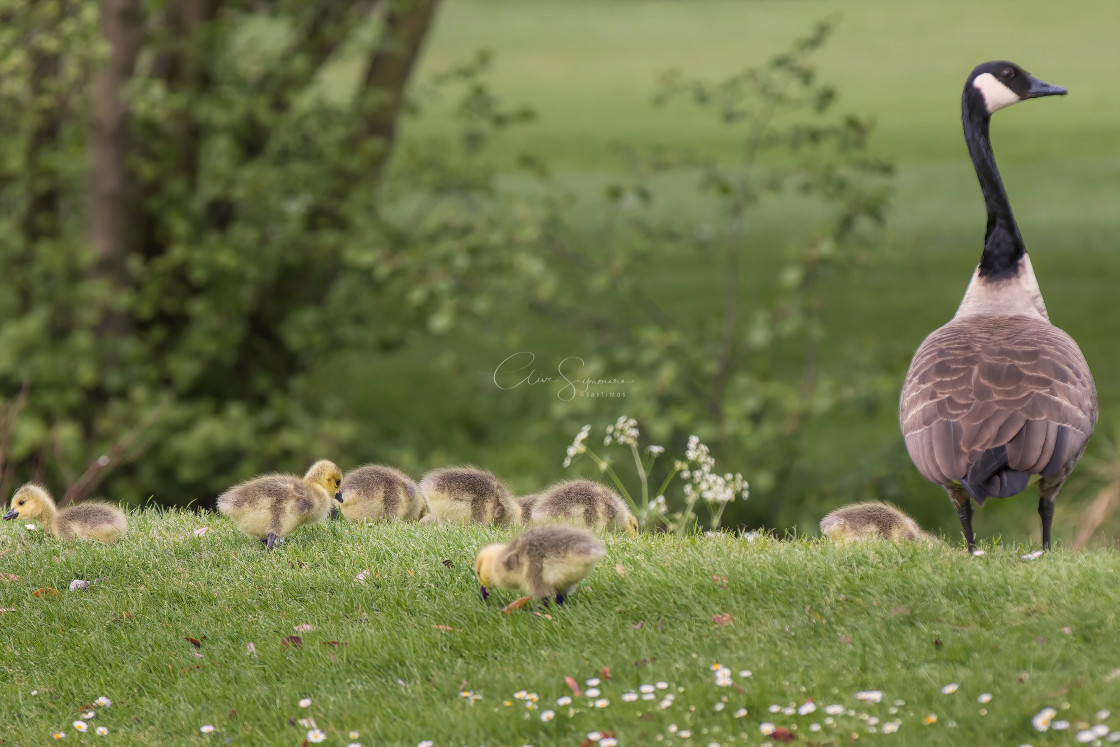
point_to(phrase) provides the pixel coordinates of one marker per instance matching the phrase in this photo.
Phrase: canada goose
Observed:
(872, 520)
(998, 394)
(584, 503)
(543, 561)
(273, 506)
(468, 495)
(89, 519)
(378, 493)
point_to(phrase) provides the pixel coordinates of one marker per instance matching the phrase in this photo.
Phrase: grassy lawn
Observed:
(390, 657)
(590, 70)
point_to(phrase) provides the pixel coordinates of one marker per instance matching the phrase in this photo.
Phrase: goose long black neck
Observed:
(1003, 245)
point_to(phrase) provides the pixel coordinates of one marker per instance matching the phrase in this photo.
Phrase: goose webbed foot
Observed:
(270, 542)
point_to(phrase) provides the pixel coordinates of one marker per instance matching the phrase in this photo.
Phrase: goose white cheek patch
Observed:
(996, 95)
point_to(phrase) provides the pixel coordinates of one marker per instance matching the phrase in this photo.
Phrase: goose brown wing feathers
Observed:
(981, 391)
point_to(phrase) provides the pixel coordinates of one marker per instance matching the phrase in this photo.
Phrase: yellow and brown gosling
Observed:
(273, 506)
(87, 520)
(526, 503)
(872, 520)
(583, 503)
(542, 561)
(468, 495)
(378, 493)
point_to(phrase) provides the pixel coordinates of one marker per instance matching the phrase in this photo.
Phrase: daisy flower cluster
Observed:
(82, 725)
(1084, 732)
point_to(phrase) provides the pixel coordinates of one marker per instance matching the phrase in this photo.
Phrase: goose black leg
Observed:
(1046, 511)
(268, 543)
(559, 599)
(963, 502)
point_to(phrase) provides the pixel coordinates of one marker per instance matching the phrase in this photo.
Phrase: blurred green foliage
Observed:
(263, 238)
(257, 234)
(740, 371)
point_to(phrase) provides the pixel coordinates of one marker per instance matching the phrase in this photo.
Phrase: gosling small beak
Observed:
(11, 515)
(1040, 88)
(338, 497)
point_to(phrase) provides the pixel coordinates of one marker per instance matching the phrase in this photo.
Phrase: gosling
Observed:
(584, 503)
(378, 493)
(468, 495)
(270, 507)
(526, 503)
(87, 520)
(872, 520)
(543, 562)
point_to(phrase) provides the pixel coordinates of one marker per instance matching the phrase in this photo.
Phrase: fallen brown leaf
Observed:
(448, 562)
(638, 625)
(605, 673)
(194, 641)
(573, 685)
(620, 570)
(782, 734)
(305, 627)
(201, 531)
(516, 604)
(8, 577)
(291, 641)
(43, 592)
(448, 628)
(724, 619)
(937, 643)
(7, 609)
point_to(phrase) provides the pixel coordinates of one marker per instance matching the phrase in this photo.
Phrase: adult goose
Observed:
(999, 394)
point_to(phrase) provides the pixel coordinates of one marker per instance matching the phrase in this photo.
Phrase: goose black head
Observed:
(995, 85)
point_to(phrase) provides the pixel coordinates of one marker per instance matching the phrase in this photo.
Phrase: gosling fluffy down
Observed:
(543, 561)
(468, 495)
(378, 493)
(872, 520)
(273, 506)
(87, 520)
(583, 503)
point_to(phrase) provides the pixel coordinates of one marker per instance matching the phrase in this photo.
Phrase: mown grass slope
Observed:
(391, 656)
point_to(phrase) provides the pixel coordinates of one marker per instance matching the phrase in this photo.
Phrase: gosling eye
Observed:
(21, 503)
(1007, 73)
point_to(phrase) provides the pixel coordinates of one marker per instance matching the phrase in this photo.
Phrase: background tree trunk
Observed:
(111, 198)
(389, 70)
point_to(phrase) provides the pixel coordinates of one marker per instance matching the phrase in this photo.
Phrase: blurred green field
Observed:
(590, 71)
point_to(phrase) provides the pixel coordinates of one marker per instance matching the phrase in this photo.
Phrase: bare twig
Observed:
(120, 452)
(8, 415)
(1095, 514)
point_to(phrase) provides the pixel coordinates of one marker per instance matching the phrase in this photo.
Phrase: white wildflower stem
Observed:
(687, 516)
(605, 466)
(715, 509)
(642, 475)
(668, 479)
